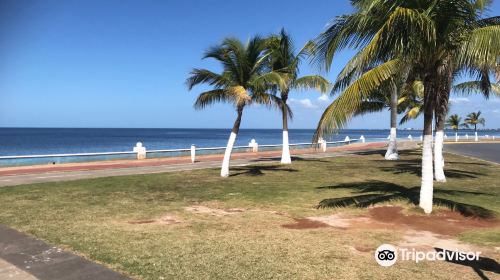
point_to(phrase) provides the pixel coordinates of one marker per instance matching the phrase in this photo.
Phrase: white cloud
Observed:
(459, 100)
(305, 103)
(323, 98)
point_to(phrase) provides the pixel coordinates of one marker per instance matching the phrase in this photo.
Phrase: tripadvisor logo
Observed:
(387, 255)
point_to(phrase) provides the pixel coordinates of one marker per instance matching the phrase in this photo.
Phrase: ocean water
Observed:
(39, 141)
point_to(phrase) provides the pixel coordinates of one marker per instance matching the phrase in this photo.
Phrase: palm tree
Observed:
(285, 61)
(475, 119)
(243, 81)
(437, 39)
(455, 122)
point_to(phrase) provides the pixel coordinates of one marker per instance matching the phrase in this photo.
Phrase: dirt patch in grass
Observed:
(305, 223)
(427, 239)
(165, 220)
(199, 209)
(444, 222)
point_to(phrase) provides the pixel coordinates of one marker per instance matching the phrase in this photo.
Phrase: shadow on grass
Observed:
(414, 167)
(259, 170)
(373, 192)
(482, 264)
(371, 152)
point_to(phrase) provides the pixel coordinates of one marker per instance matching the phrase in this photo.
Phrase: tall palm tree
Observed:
(437, 39)
(284, 60)
(455, 122)
(244, 80)
(474, 119)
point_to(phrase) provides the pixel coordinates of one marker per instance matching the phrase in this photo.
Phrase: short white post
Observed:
(493, 137)
(421, 138)
(466, 136)
(193, 153)
(347, 139)
(475, 136)
(254, 145)
(410, 138)
(362, 139)
(140, 150)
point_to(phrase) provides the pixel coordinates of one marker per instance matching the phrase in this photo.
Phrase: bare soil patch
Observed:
(165, 220)
(199, 209)
(444, 222)
(305, 223)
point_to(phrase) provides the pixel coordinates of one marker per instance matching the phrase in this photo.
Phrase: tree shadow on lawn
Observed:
(373, 192)
(482, 264)
(294, 158)
(415, 167)
(258, 170)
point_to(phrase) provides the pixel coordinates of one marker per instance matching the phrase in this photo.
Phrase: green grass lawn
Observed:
(91, 217)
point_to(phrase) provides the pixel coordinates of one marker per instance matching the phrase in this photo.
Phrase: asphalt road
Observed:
(485, 151)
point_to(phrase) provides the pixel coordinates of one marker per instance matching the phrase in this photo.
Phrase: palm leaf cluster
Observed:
(438, 40)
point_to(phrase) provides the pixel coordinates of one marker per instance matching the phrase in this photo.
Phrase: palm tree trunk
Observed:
(285, 153)
(427, 183)
(475, 133)
(456, 136)
(438, 156)
(392, 149)
(441, 111)
(442, 108)
(230, 143)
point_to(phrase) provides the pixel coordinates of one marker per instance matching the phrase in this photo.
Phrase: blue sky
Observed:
(121, 63)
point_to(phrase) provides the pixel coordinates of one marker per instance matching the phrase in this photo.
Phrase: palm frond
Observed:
(316, 82)
(346, 104)
(199, 76)
(482, 48)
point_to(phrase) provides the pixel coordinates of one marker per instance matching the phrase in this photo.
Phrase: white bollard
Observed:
(347, 139)
(140, 150)
(193, 153)
(421, 138)
(254, 145)
(493, 137)
(410, 138)
(466, 136)
(475, 137)
(362, 139)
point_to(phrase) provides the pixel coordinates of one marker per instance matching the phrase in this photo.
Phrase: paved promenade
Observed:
(64, 172)
(26, 258)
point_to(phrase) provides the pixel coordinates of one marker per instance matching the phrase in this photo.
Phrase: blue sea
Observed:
(39, 141)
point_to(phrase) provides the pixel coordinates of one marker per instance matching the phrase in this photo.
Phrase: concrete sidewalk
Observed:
(66, 172)
(26, 258)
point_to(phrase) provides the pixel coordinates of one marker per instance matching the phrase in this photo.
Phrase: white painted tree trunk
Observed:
(426, 189)
(224, 172)
(456, 137)
(475, 136)
(285, 154)
(392, 149)
(438, 157)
